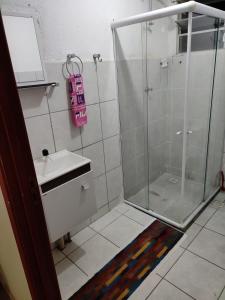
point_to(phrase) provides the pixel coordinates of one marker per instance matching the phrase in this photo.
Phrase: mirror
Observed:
(24, 46)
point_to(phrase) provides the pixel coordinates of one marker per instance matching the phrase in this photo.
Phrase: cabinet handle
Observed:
(85, 186)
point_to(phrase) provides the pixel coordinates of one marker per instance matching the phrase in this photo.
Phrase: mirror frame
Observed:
(28, 12)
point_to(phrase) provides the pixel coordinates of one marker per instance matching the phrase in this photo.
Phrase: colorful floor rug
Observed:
(120, 277)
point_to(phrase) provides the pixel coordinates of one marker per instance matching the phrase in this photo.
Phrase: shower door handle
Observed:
(181, 132)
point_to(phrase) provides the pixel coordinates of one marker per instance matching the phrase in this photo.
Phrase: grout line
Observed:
(81, 140)
(64, 109)
(80, 246)
(135, 220)
(154, 288)
(221, 294)
(205, 259)
(50, 117)
(223, 235)
(77, 266)
(193, 237)
(104, 152)
(107, 224)
(38, 115)
(163, 276)
(60, 260)
(179, 289)
(99, 233)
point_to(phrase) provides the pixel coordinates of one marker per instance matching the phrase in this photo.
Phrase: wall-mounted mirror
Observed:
(23, 37)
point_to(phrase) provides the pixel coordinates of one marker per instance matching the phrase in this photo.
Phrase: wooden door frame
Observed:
(20, 188)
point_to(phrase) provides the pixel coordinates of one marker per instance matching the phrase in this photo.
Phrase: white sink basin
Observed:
(57, 164)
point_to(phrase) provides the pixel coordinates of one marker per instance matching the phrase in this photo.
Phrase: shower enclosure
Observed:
(171, 89)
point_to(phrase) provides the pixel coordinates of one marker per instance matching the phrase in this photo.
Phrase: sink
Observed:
(57, 164)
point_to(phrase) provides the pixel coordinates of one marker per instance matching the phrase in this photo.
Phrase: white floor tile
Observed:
(140, 217)
(166, 264)
(122, 231)
(218, 201)
(57, 256)
(105, 220)
(197, 277)
(222, 296)
(94, 254)
(211, 246)
(217, 222)
(70, 278)
(191, 233)
(205, 216)
(166, 291)
(78, 239)
(146, 287)
(122, 208)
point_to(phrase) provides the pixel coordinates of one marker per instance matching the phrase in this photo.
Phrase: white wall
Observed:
(11, 270)
(81, 27)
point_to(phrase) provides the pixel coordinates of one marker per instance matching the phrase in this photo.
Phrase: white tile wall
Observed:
(40, 134)
(110, 120)
(112, 152)
(96, 153)
(34, 102)
(107, 82)
(48, 121)
(114, 183)
(91, 132)
(65, 134)
(101, 191)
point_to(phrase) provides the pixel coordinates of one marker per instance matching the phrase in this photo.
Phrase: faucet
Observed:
(45, 152)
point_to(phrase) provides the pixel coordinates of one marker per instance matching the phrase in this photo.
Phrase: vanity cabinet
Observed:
(69, 204)
(67, 190)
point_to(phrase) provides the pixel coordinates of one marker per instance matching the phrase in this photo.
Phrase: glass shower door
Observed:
(178, 119)
(199, 106)
(133, 112)
(166, 88)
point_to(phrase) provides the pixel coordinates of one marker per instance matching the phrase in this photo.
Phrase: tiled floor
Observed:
(194, 269)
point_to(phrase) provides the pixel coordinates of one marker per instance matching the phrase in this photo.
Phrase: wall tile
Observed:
(154, 72)
(112, 152)
(101, 191)
(40, 135)
(91, 132)
(34, 102)
(101, 212)
(106, 80)
(114, 183)
(110, 118)
(58, 96)
(66, 135)
(90, 83)
(96, 154)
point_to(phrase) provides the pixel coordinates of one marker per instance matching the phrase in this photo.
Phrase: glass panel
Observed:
(202, 41)
(198, 111)
(217, 127)
(133, 117)
(166, 80)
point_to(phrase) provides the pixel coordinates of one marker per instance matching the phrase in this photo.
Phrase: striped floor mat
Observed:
(120, 277)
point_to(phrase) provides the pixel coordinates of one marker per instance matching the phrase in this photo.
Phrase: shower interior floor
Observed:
(165, 197)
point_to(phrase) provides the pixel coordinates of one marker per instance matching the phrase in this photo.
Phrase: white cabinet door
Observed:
(68, 205)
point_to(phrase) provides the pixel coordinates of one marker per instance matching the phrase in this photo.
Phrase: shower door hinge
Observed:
(147, 89)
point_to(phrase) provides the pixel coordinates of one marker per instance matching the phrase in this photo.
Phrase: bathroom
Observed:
(144, 156)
